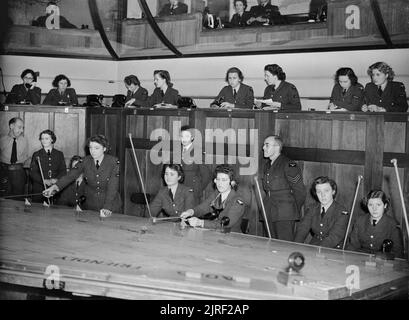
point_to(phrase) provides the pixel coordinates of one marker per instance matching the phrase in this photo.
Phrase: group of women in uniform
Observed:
(380, 95)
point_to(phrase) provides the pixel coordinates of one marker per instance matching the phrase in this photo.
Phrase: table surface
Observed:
(129, 257)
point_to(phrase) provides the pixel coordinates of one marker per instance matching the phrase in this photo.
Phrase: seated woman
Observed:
(73, 194)
(347, 93)
(101, 174)
(174, 7)
(163, 95)
(279, 94)
(136, 95)
(327, 220)
(241, 16)
(61, 94)
(224, 206)
(236, 94)
(175, 197)
(369, 232)
(383, 94)
(52, 165)
(26, 92)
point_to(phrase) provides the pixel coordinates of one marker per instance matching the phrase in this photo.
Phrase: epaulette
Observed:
(292, 164)
(240, 202)
(344, 212)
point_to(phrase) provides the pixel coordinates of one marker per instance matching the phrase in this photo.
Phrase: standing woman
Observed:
(383, 94)
(224, 202)
(61, 94)
(326, 220)
(136, 95)
(175, 198)
(26, 91)
(164, 94)
(101, 175)
(236, 94)
(369, 232)
(52, 164)
(279, 94)
(347, 93)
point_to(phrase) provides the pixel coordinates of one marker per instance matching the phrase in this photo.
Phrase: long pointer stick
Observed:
(140, 175)
(352, 211)
(405, 215)
(22, 195)
(42, 177)
(262, 207)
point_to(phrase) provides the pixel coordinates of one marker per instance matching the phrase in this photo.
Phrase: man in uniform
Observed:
(13, 154)
(264, 13)
(174, 7)
(285, 190)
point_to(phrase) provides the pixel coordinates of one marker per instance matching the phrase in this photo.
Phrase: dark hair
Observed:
(164, 75)
(73, 159)
(176, 167)
(346, 72)
(99, 138)
(322, 180)
(243, 1)
(234, 70)
(14, 120)
(275, 69)
(59, 78)
(132, 79)
(382, 67)
(376, 194)
(277, 139)
(226, 169)
(50, 133)
(27, 71)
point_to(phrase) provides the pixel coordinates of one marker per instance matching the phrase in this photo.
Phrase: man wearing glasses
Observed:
(27, 92)
(285, 190)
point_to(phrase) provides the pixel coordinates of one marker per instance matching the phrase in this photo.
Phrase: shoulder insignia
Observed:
(240, 202)
(292, 164)
(190, 190)
(344, 212)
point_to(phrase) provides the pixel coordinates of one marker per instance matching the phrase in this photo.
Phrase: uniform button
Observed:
(97, 175)
(97, 182)
(321, 225)
(173, 205)
(371, 237)
(320, 232)
(49, 159)
(371, 244)
(49, 164)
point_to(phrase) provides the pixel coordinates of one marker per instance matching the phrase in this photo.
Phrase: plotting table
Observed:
(129, 257)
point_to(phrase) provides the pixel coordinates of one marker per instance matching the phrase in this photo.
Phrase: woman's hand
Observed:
(103, 213)
(332, 106)
(186, 214)
(196, 222)
(128, 104)
(227, 105)
(364, 108)
(51, 191)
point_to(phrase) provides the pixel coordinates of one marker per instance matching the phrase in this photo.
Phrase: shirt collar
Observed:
(327, 206)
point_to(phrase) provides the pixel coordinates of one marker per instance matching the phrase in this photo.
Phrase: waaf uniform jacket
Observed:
(69, 97)
(244, 97)
(175, 205)
(101, 189)
(140, 96)
(285, 190)
(232, 207)
(365, 237)
(286, 93)
(393, 98)
(240, 20)
(53, 167)
(20, 93)
(327, 231)
(169, 10)
(171, 96)
(268, 11)
(352, 99)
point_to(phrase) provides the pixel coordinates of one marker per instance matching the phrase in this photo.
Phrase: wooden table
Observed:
(131, 258)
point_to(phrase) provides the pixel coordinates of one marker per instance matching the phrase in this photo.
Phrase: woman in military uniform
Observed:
(370, 231)
(164, 93)
(326, 220)
(61, 94)
(236, 94)
(101, 175)
(279, 94)
(347, 94)
(240, 18)
(26, 92)
(52, 165)
(224, 208)
(384, 94)
(136, 95)
(175, 197)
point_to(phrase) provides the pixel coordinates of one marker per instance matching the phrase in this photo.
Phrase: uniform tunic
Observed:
(140, 96)
(268, 11)
(168, 10)
(101, 189)
(20, 93)
(240, 20)
(71, 195)
(54, 97)
(352, 100)
(53, 167)
(181, 201)
(368, 238)
(393, 98)
(283, 183)
(327, 231)
(286, 93)
(232, 207)
(171, 96)
(244, 97)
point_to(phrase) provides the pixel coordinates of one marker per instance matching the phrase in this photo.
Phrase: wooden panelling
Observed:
(69, 140)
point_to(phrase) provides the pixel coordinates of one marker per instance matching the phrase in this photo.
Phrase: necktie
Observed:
(322, 212)
(273, 88)
(234, 94)
(13, 158)
(97, 164)
(380, 91)
(170, 194)
(374, 223)
(162, 94)
(49, 153)
(344, 92)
